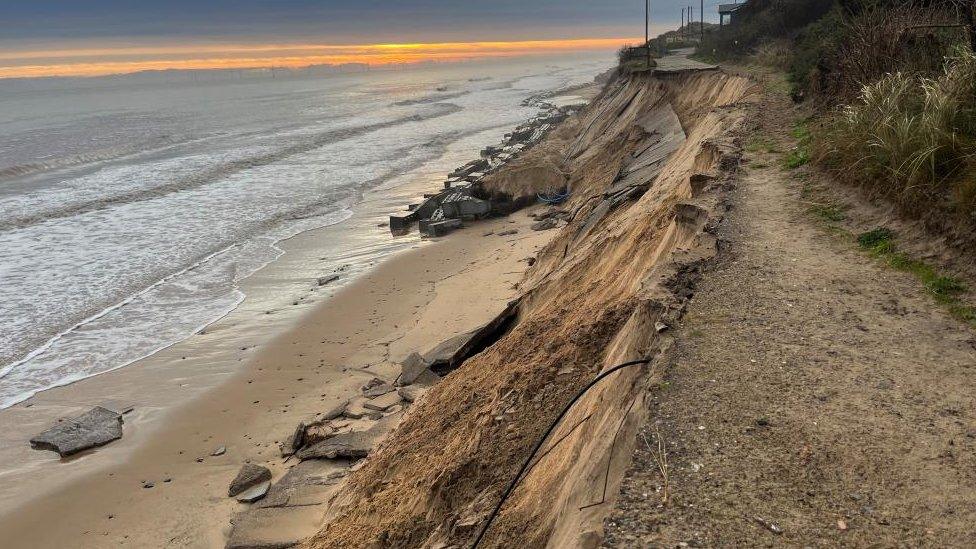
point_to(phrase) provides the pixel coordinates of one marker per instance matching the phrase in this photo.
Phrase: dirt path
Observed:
(814, 397)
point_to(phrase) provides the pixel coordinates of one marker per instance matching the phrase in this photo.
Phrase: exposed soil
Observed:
(592, 300)
(813, 397)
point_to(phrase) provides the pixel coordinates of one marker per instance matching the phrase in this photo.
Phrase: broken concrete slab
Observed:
(308, 483)
(411, 393)
(440, 228)
(316, 432)
(94, 428)
(383, 403)
(356, 410)
(294, 441)
(378, 390)
(346, 445)
(254, 493)
(444, 354)
(450, 354)
(412, 368)
(248, 477)
(335, 411)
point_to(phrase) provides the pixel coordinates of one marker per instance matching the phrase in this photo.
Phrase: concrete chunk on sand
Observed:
(382, 403)
(94, 428)
(354, 445)
(249, 477)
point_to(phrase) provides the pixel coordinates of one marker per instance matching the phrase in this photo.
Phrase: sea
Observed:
(132, 208)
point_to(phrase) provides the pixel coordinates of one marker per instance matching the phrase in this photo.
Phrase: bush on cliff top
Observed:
(912, 139)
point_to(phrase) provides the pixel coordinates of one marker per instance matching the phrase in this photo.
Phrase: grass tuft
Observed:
(945, 289)
(800, 154)
(874, 238)
(828, 212)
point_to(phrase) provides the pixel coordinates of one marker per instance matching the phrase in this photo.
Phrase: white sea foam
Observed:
(130, 215)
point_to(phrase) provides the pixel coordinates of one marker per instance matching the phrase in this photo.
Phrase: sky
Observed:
(91, 37)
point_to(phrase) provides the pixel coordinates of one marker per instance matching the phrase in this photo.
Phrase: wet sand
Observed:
(411, 302)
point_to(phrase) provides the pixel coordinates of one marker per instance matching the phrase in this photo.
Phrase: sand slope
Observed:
(599, 294)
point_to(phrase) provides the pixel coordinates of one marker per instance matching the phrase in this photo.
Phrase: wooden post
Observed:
(701, 19)
(682, 22)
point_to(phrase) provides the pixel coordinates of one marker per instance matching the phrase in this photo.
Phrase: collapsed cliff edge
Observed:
(648, 166)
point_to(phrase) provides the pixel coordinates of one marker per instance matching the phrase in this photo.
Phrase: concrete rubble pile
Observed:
(336, 442)
(462, 198)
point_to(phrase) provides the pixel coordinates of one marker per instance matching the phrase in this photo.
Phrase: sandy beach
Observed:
(408, 303)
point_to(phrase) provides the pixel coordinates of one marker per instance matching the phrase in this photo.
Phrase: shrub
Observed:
(911, 139)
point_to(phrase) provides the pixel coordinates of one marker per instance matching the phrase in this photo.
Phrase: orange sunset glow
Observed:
(88, 62)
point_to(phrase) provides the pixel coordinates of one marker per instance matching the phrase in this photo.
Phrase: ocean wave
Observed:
(437, 98)
(210, 175)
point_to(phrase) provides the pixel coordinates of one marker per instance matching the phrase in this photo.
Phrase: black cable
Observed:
(552, 426)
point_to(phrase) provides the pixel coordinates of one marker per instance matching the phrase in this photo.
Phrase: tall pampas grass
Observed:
(911, 139)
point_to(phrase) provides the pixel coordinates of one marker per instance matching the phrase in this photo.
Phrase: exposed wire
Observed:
(552, 426)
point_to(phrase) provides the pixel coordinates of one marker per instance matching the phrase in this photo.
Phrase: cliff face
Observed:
(648, 166)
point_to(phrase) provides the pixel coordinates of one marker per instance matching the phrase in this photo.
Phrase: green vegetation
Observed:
(830, 213)
(912, 139)
(800, 154)
(904, 73)
(946, 290)
(830, 48)
(758, 144)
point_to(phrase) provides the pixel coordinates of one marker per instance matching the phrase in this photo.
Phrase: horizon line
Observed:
(93, 62)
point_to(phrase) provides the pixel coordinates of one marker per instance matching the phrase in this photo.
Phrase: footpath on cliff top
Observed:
(814, 396)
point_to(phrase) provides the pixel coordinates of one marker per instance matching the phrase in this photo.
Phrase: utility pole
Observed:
(647, 30)
(683, 22)
(701, 19)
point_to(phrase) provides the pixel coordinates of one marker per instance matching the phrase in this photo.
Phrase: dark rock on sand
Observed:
(294, 441)
(94, 428)
(249, 476)
(346, 445)
(328, 279)
(545, 224)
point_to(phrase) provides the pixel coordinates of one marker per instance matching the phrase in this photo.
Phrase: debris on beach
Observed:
(248, 478)
(327, 279)
(462, 198)
(415, 369)
(355, 445)
(294, 441)
(94, 428)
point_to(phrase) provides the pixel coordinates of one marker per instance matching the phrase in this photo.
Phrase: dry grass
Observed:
(661, 459)
(911, 139)
(775, 54)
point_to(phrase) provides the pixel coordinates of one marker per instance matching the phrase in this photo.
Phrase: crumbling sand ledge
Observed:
(603, 292)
